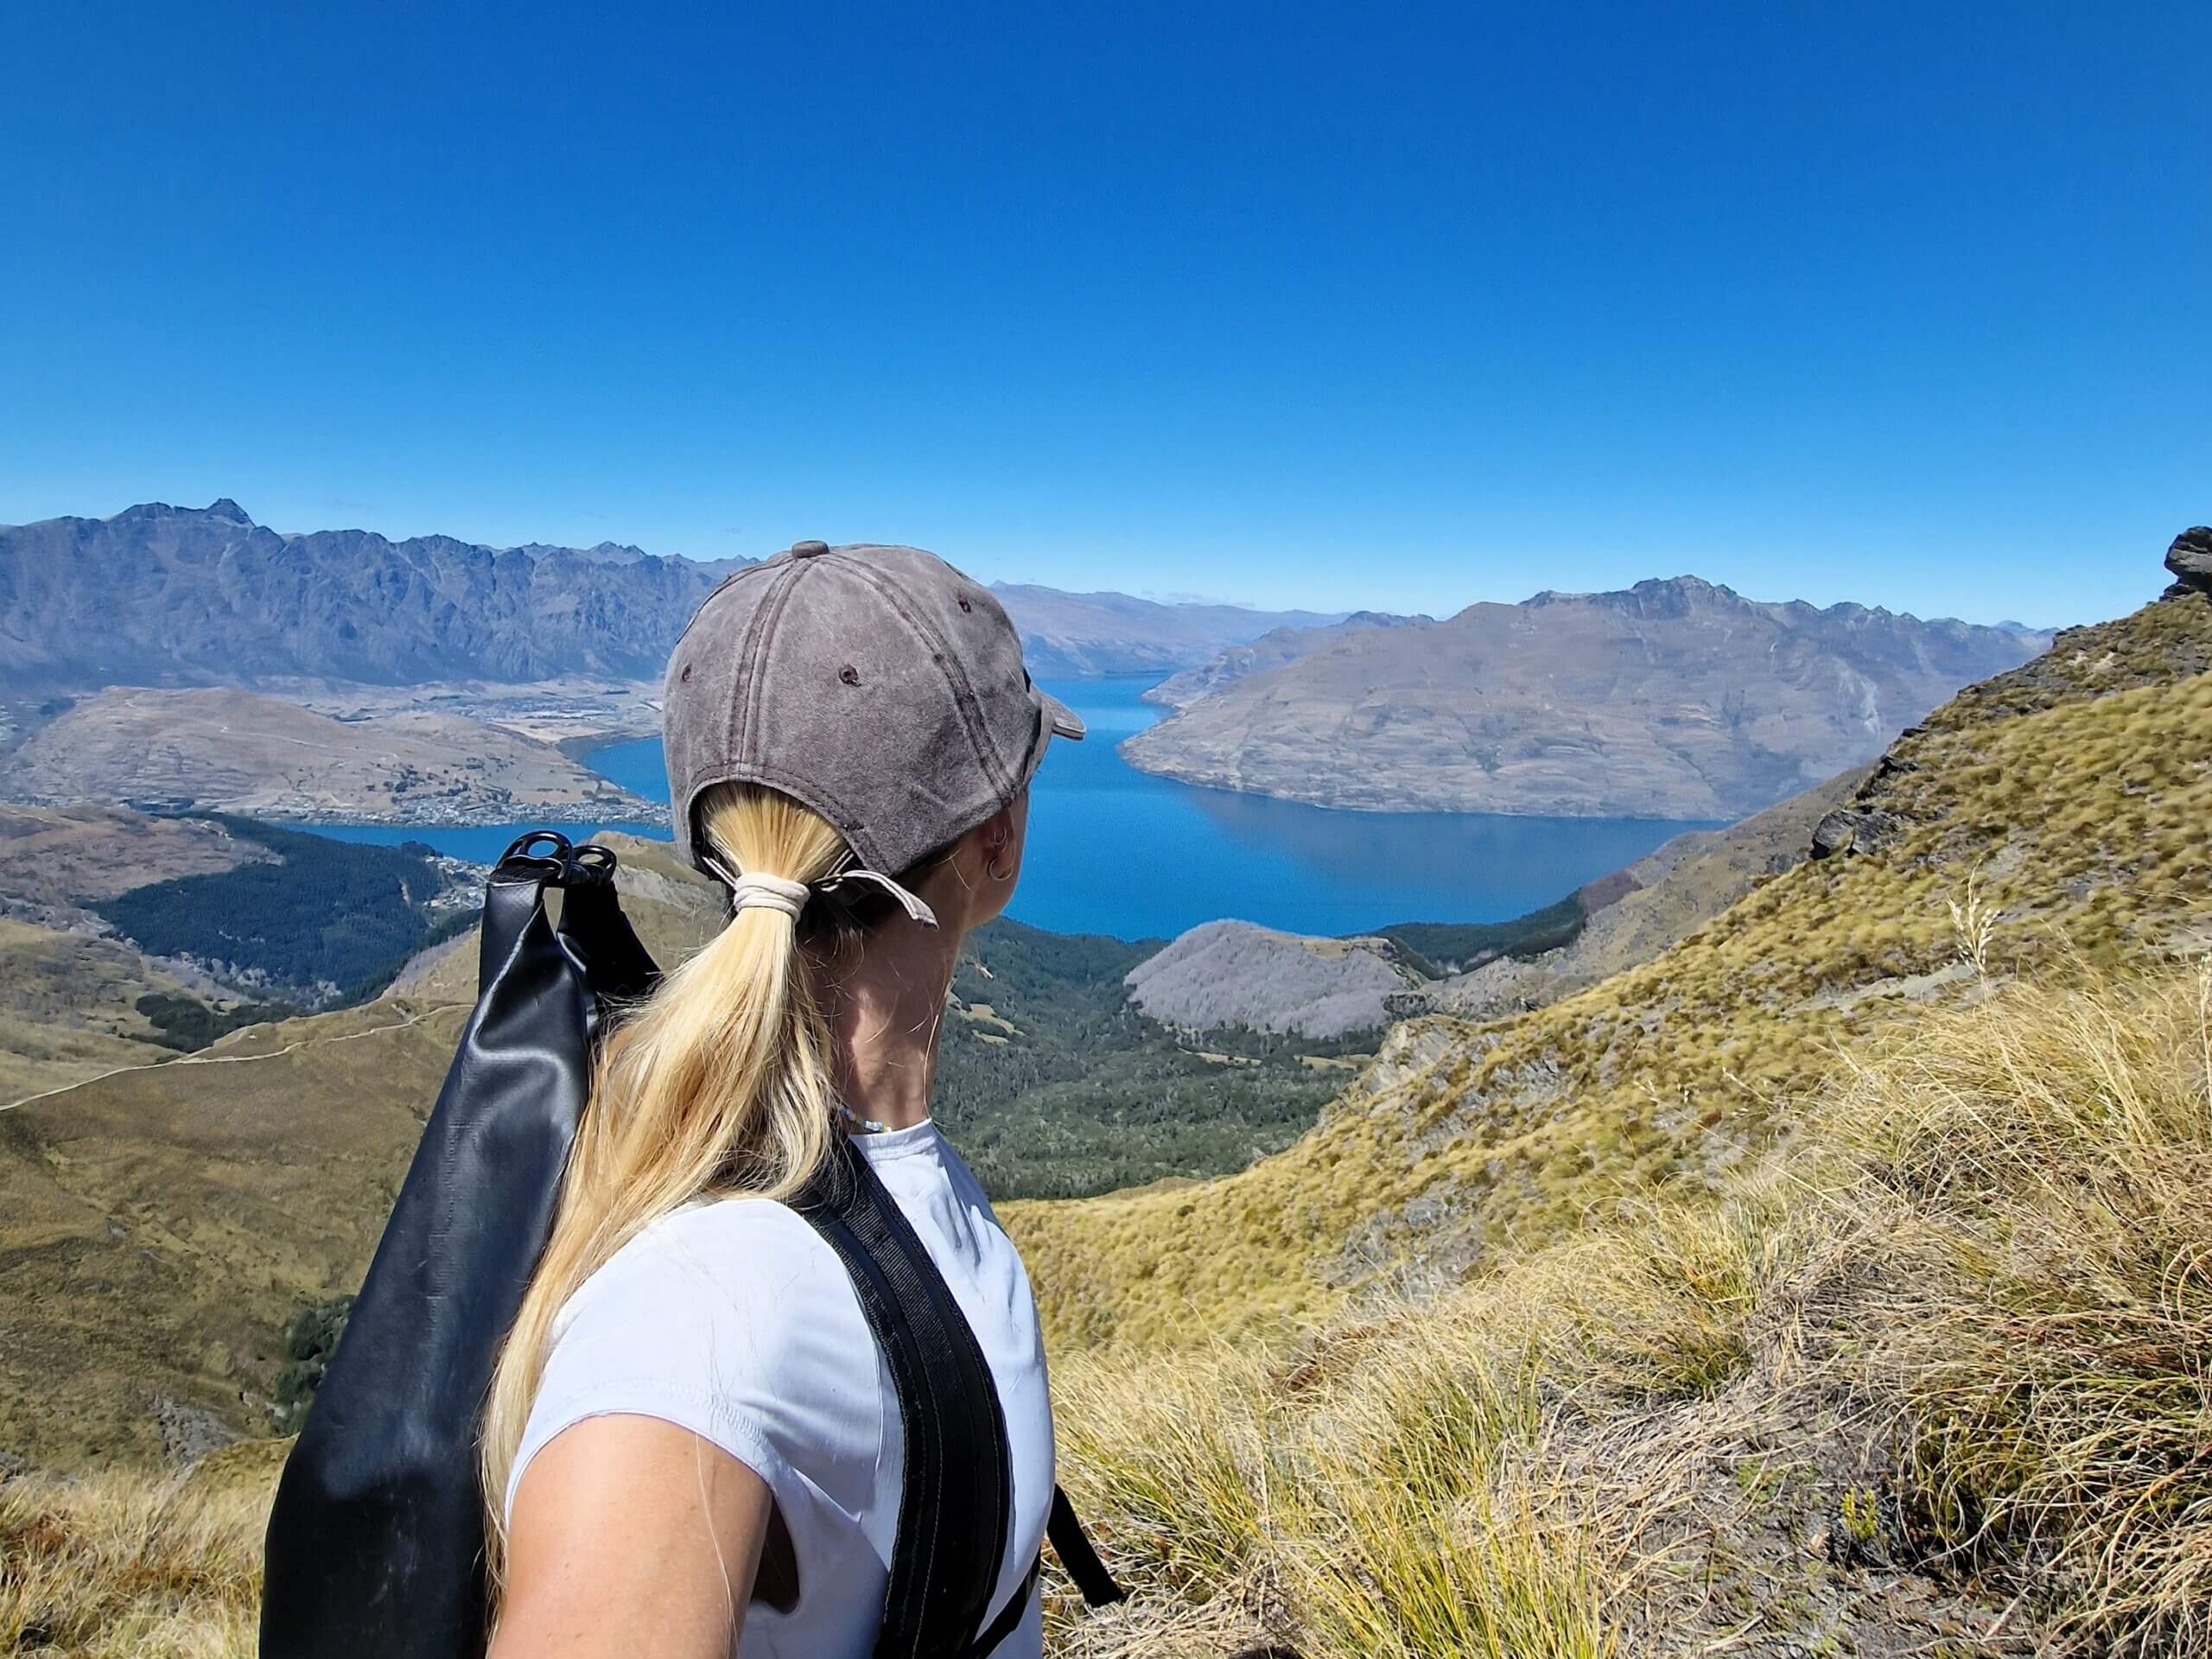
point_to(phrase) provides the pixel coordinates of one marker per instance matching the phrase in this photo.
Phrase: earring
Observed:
(991, 868)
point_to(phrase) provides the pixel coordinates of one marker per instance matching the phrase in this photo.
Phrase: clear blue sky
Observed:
(1331, 306)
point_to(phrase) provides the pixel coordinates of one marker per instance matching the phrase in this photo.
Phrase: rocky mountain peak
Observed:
(1653, 596)
(2190, 560)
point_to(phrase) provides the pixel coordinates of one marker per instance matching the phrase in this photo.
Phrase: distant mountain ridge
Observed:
(1675, 698)
(161, 594)
(1081, 634)
(1270, 650)
(165, 595)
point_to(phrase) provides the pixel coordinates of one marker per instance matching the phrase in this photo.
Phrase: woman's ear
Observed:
(999, 833)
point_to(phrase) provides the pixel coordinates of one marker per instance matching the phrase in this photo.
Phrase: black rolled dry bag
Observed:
(375, 1546)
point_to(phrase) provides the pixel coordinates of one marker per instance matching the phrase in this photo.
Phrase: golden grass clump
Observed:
(2054, 1359)
(125, 1566)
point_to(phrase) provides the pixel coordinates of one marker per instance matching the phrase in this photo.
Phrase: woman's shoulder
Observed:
(731, 1319)
(701, 1265)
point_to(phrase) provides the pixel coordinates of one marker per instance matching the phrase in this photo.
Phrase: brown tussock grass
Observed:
(1960, 1330)
(124, 1566)
(2054, 1355)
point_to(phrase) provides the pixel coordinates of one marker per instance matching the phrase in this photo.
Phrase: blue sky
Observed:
(1335, 305)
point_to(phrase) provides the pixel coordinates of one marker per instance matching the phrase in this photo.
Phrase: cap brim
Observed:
(1063, 720)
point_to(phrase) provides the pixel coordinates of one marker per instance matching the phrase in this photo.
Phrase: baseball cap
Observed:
(876, 684)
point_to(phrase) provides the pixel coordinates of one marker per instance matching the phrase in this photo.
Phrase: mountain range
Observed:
(1805, 1255)
(1675, 699)
(164, 595)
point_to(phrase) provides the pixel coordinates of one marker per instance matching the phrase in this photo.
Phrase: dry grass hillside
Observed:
(1669, 894)
(68, 1008)
(69, 997)
(1925, 1380)
(159, 1227)
(2055, 814)
(1929, 1381)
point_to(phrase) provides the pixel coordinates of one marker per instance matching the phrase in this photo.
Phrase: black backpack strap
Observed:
(1072, 1545)
(1009, 1619)
(957, 1499)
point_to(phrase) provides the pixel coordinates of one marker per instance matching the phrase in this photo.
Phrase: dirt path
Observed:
(411, 1018)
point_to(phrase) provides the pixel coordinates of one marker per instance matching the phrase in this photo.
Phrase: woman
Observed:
(692, 1443)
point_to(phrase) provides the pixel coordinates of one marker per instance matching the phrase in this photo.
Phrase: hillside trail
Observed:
(410, 1017)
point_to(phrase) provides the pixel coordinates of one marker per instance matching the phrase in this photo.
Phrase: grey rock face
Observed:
(1834, 834)
(2190, 560)
(1854, 830)
(1223, 974)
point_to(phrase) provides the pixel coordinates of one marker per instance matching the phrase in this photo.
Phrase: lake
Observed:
(1116, 850)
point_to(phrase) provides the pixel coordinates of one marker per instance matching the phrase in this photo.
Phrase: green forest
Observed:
(1437, 947)
(324, 913)
(1052, 1085)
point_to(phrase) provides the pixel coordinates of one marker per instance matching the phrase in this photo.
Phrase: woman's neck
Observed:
(884, 1016)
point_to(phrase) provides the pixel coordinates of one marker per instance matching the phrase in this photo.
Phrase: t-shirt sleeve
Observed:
(701, 1321)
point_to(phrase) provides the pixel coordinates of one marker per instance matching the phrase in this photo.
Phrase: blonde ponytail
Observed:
(718, 1084)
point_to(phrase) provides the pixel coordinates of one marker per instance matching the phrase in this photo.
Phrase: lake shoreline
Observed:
(1119, 853)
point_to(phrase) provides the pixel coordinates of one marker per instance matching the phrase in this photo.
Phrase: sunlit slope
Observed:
(2058, 807)
(159, 1227)
(68, 1008)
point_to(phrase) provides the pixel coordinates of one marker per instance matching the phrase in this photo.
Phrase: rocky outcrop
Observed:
(2190, 560)
(1850, 830)
(1237, 974)
(2084, 663)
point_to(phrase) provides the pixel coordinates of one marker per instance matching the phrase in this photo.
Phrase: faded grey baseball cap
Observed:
(877, 685)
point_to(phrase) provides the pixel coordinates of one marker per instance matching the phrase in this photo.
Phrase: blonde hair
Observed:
(718, 1084)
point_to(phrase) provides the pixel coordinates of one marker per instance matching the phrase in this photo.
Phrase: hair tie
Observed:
(755, 890)
(750, 890)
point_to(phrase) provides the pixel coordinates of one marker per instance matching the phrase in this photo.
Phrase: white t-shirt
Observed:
(735, 1320)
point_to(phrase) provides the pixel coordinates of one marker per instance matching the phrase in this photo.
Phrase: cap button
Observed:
(808, 549)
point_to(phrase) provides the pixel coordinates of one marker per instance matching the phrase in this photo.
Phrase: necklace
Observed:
(856, 1124)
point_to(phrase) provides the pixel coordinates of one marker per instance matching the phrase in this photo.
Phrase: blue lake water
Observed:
(1116, 850)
